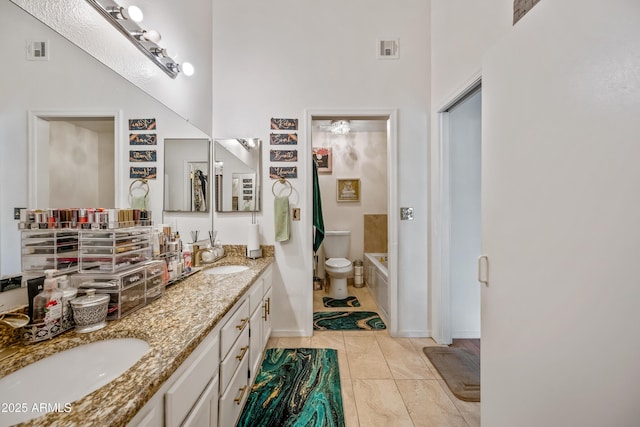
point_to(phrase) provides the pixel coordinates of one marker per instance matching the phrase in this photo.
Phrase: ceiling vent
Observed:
(388, 48)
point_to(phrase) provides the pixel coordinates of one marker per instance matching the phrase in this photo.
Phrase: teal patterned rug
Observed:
(295, 387)
(346, 302)
(347, 321)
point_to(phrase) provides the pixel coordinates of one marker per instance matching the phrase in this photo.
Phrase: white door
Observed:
(464, 139)
(561, 218)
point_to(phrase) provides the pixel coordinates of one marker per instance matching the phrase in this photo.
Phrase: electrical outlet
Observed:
(406, 213)
(296, 214)
(16, 213)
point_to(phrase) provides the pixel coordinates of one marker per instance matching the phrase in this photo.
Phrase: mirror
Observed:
(237, 174)
(186, 175)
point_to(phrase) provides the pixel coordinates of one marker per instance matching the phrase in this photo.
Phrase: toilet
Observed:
(337, 266)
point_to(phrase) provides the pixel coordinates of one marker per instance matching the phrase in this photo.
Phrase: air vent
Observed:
(38, 50)
(388, 49)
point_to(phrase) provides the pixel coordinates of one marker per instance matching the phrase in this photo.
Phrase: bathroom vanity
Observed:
(206, 336)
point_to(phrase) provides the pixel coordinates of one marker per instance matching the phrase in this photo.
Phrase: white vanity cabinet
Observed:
(211, 386)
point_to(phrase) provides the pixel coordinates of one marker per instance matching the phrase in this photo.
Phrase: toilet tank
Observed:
(336, 244)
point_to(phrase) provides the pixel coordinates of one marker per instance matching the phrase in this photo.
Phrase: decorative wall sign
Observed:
(348, 190)
(283, 138)
(283, 155)
(276, 172)
(143, 139)
(142, 156)
(324, 159)
(142, 124)
(142, 172)
(284, 124)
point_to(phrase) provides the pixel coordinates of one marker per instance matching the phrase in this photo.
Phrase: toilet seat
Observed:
(337, 262)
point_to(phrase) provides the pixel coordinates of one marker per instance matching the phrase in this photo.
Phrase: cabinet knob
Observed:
(243, 323)
(239, 398)
(242, 353)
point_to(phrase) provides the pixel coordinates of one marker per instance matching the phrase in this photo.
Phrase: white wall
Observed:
(361, 155)
(281, 58)
(71, 80)
(76, 150)
(561, 102)
(461, 32)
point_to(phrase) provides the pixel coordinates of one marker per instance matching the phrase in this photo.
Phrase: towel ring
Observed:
(144, 182)
(283, 182)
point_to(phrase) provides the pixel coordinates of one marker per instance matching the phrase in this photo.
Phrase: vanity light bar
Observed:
(137, 35)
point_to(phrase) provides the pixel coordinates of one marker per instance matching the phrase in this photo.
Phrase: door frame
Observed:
(442, 319)
(391, 116)
(36, 139)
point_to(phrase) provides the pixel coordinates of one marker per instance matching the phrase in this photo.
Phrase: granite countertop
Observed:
(173, 326)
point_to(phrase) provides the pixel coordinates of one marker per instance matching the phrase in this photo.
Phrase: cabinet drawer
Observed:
(235, 396)
(255, 295)
(233, 328)
(182, 395)
(237, 354)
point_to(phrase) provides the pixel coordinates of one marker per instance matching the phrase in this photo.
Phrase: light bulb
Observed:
(133, 13)
(150, 36)
(187, 68)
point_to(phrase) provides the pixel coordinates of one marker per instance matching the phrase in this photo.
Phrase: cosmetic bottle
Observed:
(47, 305)
(68, 293)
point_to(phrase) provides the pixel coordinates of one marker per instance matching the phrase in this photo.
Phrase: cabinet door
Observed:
(266, 324)
(183, 394)
(205, 411)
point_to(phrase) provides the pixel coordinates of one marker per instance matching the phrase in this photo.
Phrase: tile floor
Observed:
(386, 381)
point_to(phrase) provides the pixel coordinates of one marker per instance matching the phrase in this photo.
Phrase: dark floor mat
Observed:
(459, 368)
(345, 302)
(347, 321)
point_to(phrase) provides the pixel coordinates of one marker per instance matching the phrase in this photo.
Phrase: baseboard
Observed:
(465, 334)
(414, 334)
(277, 333)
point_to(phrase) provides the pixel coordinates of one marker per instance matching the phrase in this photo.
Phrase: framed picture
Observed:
(348, 190)
(324, 159)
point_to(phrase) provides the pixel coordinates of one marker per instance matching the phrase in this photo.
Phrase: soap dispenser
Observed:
(68, 293)
(47, 305)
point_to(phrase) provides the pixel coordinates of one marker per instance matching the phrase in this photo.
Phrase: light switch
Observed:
(406, 214)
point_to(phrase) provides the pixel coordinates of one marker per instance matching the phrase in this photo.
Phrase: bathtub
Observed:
(376, 277)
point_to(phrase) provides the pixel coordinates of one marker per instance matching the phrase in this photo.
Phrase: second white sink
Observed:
(226, 269)
(55, 381)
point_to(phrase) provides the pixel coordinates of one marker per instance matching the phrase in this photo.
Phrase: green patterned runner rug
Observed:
(347, 321)
(346, 302)
(295, 387)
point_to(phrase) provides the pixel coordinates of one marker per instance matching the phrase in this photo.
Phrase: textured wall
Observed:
(521, 7)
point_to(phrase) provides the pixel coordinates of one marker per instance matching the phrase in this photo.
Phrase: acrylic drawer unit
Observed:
(113, 250)
(49, 249)
(127, 290)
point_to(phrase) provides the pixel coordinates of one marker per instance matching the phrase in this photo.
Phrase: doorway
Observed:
(382, 122)
(460, 148)
(74, 159)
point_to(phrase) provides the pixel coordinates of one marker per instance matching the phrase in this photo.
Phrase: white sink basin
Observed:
(226, 269)
(55, 381)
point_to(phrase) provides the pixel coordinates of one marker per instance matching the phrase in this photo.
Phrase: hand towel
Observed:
(281, 215)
